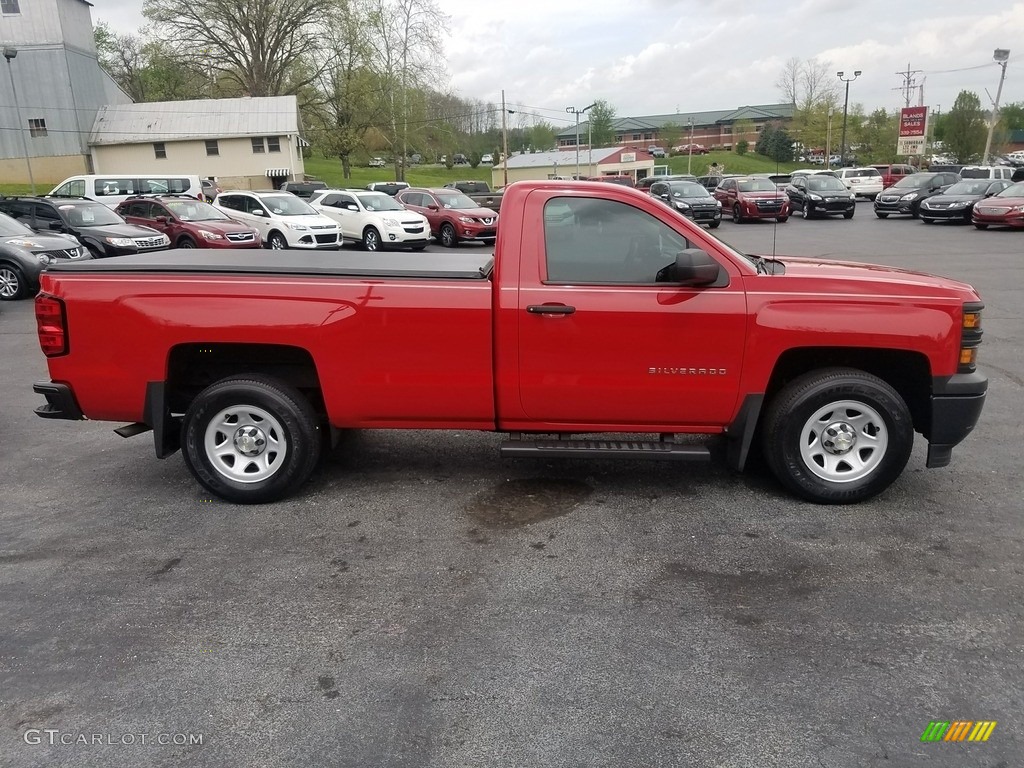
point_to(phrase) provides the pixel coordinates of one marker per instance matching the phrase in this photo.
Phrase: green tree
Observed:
(965, 130)
(1011, 116)
(775, 143)
(878, 137)
(542, 135)
(602, 124)
(670, 134)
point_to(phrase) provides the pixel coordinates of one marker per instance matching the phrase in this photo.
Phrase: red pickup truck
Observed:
(605, 325)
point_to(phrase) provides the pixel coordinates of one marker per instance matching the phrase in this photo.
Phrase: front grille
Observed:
(488, 221)
(322, 226)
(888, 199)
(69, 253)
(995, 211)
(326, 238)
(148, 242)
(769, 205)
(414, 230)
(241, 237)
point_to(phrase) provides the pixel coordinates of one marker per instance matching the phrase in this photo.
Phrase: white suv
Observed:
(374, 219)
(282, 219)
(863, 182)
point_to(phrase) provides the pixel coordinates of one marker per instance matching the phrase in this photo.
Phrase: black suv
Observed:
(95, 225)
(905, 195)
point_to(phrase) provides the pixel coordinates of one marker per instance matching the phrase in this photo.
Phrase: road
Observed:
(423, 603)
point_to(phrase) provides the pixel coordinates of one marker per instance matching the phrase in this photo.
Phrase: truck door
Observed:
(605, 337)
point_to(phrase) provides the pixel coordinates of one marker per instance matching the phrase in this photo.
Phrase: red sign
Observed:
(913, 121)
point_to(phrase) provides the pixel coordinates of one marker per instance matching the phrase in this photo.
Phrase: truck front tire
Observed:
(837, 436)
(250, 439)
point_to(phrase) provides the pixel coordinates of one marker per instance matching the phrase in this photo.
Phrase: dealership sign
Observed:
(913, 128)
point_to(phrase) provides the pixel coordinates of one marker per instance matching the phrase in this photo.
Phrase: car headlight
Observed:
(815, 198)
(44, 258)
(910, 196)
(24, 243)
(682, 206)
(390, 222)
(296, 227)
(465, 219)
(121, 242)
(210, 235)
(956, 204)
(718, 203)
(853, 196)
(1017, 209)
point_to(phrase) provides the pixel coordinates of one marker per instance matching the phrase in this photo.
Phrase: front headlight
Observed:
(956, 204)
(296, 227)
(910, 196)
(210, 235)
(853, 196)
(24, 243)
(390, 222)
(815, 198)
(465, 219)
(719, 203)
(121, 242)
(682, 206)
(44, 258)
(1017, 209)
(165, 239)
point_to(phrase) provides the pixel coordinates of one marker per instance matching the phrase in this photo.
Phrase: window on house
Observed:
(273, 143)
(257, 145)
(160, 150)
(9, 6)
(636, 137)
(36, 126)
(211, 147)
(648, 136)
(727, 129)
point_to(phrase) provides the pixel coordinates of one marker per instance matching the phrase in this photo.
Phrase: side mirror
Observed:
(664, 196)
(57, 226)
(351, 207)
(259, 212)
(693, 267)
(161, 219)
(433, 208)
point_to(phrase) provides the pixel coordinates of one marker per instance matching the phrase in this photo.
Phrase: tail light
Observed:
(970, 337)
(52, 325)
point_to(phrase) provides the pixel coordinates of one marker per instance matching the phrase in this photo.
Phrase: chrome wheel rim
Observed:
(277, 243)
(371, 241)
(9, 283)
(245, 443)
(844, 441)
(186, 244)
(447, 236)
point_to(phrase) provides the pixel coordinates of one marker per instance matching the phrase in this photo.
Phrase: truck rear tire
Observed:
(250, 439)
(837, 436)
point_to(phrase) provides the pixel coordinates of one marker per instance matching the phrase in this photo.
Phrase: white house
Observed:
(613, 161)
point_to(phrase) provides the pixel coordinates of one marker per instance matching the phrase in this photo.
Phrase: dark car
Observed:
(387, 187)
(453, 217)
(96, 226)
(1005, 209)
(210, 189)
(906, 195)
(818, 195)
(303, 189)
(691, 199)
(625, 181)
(24, 254)
(189, 223)
(647, 181)
(751, 198)
(712, 181)
(957, 202)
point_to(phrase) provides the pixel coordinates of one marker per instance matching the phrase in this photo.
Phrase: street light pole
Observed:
(10, 53)
(1002, 55)
(578, 112)
(828, 141)
(846, 105)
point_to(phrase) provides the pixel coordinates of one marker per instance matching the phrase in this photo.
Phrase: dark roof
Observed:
(705, 118)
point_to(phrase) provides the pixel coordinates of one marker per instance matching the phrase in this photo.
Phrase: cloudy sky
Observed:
(659, 56)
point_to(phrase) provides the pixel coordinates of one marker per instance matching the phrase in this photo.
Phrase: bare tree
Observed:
(253, 43)
(789, 80)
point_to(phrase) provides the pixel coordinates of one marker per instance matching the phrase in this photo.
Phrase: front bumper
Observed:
(831, 208)
(765, 211)
(896, 206)
(956, 405)
(1015, 219)
(946, 214)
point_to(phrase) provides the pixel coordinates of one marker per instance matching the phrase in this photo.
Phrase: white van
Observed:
(986, 172)
(114, 188)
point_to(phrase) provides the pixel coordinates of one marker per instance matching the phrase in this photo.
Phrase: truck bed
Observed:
(440, 266)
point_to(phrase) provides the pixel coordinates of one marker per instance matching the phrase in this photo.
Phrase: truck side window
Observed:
(590, 240)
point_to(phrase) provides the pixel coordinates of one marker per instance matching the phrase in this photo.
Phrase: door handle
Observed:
(550, 309)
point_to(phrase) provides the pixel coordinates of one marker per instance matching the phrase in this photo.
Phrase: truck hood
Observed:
(799, 267)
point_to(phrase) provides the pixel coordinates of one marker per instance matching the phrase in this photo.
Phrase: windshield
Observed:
(914, 181)
(380, 202)
(9, 227)
(89, 215)
(757, 185)
(458, 202)
(195, 211)
(825, 184)
(688, 189)
(975, 173)
(969, 188)
(287, 205)
(1014, 190)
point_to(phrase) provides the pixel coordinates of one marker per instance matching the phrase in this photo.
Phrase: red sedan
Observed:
(1005, 209)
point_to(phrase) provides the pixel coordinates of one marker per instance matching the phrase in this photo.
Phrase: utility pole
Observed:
(11, 53)
(689, 158)
(846, 104)
(504, 138)
(908, 84)
(578, 112)
(1001, 55)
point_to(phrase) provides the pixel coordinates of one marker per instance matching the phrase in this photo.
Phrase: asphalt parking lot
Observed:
(424, 603)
